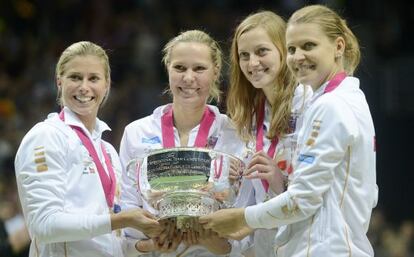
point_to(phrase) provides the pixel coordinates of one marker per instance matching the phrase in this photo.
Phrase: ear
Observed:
(58, 82)
(339, 47)
(216, 72)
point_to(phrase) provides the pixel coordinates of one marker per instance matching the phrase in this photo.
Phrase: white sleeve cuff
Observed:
(270, 214)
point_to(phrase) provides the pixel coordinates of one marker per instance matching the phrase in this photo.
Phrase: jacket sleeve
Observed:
(42, 175)
(130, 196)
(323, 142)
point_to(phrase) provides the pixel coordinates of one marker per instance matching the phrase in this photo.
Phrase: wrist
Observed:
(119, 220)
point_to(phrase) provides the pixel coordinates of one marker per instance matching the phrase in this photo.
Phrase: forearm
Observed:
(278, 211)
(62, 227)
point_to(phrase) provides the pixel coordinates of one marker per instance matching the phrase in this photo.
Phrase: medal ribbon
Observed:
(217, 172)
(108, 182)
(334, 82)
(167, 128)
(259, 139)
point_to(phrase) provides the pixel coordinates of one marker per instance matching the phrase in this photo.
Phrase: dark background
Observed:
(34, 33)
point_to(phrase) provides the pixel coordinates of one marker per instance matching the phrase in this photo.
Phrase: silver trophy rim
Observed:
(185, 148)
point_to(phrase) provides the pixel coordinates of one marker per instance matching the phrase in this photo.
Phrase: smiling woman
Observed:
(266, 106)
(68, 177)
(83, 87)
(193, 62)
(326, 208)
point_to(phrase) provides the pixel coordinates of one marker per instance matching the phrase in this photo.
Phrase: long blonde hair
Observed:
(198, 36)
(243, 99)
(333, 26)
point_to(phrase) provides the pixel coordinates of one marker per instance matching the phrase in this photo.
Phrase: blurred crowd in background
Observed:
(33, 33)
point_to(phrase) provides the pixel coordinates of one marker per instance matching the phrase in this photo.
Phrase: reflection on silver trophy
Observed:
(184, 183)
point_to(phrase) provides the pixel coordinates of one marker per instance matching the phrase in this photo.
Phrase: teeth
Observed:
(83, 99)
(305, 67)
(257, 74)
(188, 90)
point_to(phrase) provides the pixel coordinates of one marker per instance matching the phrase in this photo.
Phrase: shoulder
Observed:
(43, 138)
(142, 122)
(331, 109)
(329, 104)
(227, 123)
(46, 132)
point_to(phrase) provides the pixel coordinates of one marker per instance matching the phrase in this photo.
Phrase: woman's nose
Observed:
(188, 76)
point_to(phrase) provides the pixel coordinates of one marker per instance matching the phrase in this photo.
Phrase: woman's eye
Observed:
(291, 50)
(261, 51)
(179, 68)
(199, 68)
(75, 77)
(308, 46)
(244, 56)
(94, 78)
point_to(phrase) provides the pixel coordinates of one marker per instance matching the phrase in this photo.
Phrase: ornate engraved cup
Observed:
(185, 183)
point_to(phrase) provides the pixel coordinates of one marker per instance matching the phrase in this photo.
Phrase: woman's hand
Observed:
(225, 222)
(207, 238)
(242, 233)
(235, 172)
(167, 241)
(139, 219)
(263, 167)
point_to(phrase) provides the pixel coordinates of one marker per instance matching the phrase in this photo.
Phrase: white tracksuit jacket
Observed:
(144, 135)
(252, 191)
(332, 190)
(61, 193)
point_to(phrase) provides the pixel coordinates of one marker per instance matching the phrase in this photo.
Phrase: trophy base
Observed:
(186, 206)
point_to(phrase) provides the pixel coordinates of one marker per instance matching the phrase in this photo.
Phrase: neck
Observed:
(329, 77)
(185, 119)
(89, 122)
(269, 93)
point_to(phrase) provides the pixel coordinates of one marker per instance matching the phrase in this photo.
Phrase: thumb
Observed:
(148, 214)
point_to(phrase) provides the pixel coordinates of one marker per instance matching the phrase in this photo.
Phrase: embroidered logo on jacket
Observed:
(88, 165)
(306, 158)
(153, 140)
(211, 143)
(316, 126)
(40, 159)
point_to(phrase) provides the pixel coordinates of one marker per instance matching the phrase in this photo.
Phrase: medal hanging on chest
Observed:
(108, 181)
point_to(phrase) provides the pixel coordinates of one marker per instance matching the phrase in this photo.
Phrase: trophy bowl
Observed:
(184, 183)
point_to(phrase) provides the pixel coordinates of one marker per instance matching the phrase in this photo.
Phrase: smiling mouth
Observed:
(188, 90)
(258, 72)
(303, 67)
(83, 99)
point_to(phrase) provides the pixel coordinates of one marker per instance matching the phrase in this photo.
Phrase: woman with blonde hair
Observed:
(193, 63)
(326, 208)
(265, 105)
(68, 176)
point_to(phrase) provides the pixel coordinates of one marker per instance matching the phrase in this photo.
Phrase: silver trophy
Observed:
(184, 183)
